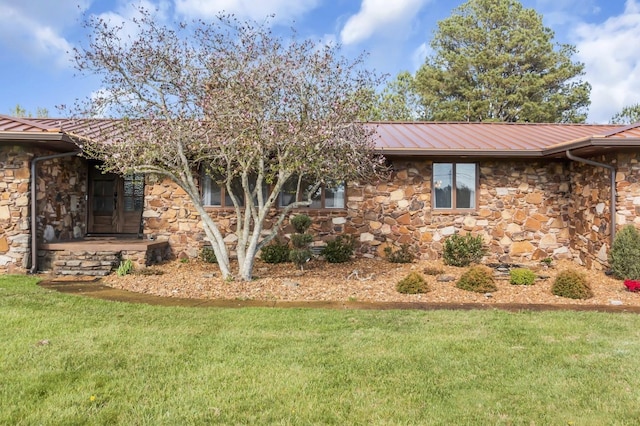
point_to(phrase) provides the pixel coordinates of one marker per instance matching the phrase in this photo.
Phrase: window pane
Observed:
(288, 193)
(334, 197)
(236, 187)
(316, 199)
(465, 186)
(210, 192)
(442, 184)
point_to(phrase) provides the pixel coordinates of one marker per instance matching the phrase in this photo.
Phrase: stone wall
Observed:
(523, 213)
(14, 209)
(60, 201)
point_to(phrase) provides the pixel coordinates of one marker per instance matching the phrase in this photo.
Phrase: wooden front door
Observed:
(115, 203)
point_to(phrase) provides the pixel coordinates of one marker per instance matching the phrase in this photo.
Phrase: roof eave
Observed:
(56, 141)
(400, 152)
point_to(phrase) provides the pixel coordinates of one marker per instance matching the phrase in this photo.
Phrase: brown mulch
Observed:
(362, 280)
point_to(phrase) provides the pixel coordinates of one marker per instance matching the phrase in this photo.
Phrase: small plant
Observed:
(339, 250)
(184, 260)
(478, 278)
(413, 283)
(301, 222)
(463, 250)
(571, 284)
(522, 276)
(404, 254)
(300, 254)
(208, 255)
(433, 270)
(126, 267)
(547, 261)
(276, 252)
(624, 256)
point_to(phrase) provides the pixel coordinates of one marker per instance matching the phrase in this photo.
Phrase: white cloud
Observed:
(284, 10)
(611, 53)
(419, 55)
(34, 28)
(392, 17)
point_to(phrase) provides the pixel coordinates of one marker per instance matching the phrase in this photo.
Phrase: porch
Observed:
(99, 256)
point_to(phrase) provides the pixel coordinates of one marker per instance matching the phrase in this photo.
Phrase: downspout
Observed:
(34, 210)
(612, 205)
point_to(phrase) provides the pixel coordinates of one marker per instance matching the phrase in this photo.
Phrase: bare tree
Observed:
(251, 109)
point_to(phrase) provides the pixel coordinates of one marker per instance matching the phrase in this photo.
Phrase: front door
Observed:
(115, 203)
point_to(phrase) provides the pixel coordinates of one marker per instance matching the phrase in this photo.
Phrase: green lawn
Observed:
(108, 362)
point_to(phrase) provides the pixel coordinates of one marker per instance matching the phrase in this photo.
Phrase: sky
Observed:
(36, 37)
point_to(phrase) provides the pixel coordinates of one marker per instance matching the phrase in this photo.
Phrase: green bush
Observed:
(300, 256)
(301, 241)
(572, 284)
(276, 252)
(404, 254)
(339, 250)
(477, 278)
(413, 283)
(208, 255)
(624, 256)
(301, 222)
(463, 250)
(522, 276)
(125, 267)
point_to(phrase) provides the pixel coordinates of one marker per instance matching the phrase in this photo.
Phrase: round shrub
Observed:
(522, 276)
(477, 278)
(413, 283)
(624, 256)
(571, 284)
(338, 250)
(300, 256)
(276, 252)
(208, 255)
(301, 222)
(463, 250)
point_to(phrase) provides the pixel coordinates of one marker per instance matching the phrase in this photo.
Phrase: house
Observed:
(531, 190)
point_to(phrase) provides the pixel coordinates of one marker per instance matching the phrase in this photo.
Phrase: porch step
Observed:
(97, 264)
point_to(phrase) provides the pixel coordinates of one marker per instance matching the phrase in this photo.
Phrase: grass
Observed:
(115, 363)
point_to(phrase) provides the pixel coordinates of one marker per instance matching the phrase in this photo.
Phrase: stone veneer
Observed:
(527, 210)
(61, 203)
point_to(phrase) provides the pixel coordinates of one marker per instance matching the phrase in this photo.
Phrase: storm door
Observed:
(115, 203)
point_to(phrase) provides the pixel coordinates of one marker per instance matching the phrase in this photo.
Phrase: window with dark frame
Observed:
(213, 195)
(454, 186)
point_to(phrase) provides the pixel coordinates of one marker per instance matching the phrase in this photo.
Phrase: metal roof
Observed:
(408, 138)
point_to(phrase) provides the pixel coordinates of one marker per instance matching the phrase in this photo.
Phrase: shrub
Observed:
(301, 222)
(338, 250)
(126, 267)
(624, 256)
(477, 278)
(276, 252)
(301, 240)
(208, 255)
(463, 250)
(522, 276)
(413, 283)
(572, 284)
(404, 254)
(300, 256)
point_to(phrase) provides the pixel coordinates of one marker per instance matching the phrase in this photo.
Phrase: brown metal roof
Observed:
(417, 138)
(484, 139)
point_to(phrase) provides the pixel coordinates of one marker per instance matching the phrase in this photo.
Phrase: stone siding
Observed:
(522, 214)
(14, 209)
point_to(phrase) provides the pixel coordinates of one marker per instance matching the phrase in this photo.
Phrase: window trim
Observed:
(453, 208)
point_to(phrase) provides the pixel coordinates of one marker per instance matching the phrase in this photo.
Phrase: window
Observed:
(323, 198)
(217, 196)
(454, 186)
(328, 198)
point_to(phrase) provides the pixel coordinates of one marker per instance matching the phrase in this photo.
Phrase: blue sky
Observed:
(35, 36)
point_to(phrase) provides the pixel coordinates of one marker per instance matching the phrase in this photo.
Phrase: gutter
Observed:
(612, 202)
(34, 210)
